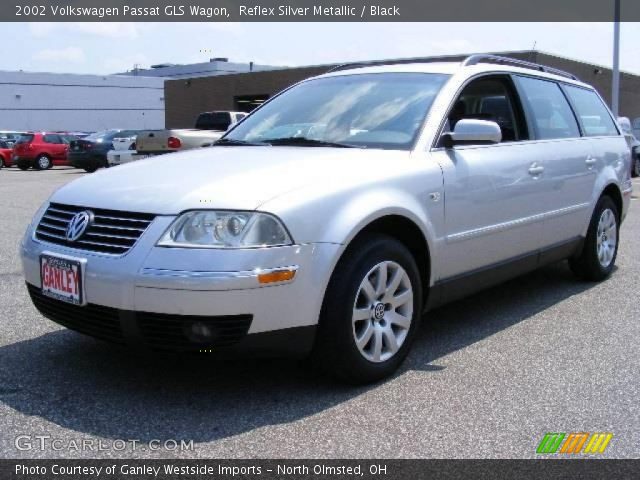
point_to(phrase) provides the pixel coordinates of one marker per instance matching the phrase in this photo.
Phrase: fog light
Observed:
(275, 276)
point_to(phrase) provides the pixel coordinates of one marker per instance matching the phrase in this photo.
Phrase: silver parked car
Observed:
(422, 182)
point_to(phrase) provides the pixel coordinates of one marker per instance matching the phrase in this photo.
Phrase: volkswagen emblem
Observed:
(78, 225)
(378, 311)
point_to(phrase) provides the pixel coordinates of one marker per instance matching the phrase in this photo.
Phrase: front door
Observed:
(493, 203)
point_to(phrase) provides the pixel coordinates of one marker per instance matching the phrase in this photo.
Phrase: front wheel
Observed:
(371, 311)
(598, 256)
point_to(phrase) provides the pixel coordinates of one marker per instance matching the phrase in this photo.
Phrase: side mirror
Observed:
(625, 125)
(473, 131)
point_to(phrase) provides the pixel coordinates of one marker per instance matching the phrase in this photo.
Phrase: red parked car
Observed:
(6, 152)
(41, 150)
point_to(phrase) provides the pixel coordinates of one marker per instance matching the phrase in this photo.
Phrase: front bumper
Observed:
(150, 286)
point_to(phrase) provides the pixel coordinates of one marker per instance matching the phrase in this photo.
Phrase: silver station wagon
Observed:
(328, 221)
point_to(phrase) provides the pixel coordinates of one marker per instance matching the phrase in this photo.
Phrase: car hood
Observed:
(238, 178)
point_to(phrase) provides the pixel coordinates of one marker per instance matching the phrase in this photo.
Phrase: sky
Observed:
(103, 48)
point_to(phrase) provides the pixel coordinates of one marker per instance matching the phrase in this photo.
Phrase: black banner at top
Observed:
(317, 10)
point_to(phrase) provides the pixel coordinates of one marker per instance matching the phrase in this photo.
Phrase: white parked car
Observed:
(119, 157)
(125, 143)
(426, 182)
(124, 151)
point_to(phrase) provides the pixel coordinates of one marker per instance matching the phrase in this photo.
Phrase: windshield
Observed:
(383, 110)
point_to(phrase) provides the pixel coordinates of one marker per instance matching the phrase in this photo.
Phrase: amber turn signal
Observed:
(276, 276)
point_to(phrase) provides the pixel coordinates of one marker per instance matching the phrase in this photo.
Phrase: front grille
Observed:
(94, 320)
(157, 331)
(189, 332)
(112, 231)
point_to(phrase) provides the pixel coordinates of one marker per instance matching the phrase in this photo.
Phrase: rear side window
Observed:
(52, 139)
(593, 114)
(213, 121)
(551, 114)
(25, 139)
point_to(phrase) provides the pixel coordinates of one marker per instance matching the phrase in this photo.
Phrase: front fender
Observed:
(312, 216)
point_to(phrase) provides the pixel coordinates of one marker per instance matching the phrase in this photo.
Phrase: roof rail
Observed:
(468, 61)
(484, 58)
(400, 61)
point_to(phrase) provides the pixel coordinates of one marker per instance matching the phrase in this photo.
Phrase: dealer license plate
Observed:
(62, 278)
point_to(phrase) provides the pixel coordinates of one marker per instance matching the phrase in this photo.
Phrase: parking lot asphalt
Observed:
(487, 377)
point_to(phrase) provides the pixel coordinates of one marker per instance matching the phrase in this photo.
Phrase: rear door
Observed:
(605, 140)
(569, 170)
(493, 203)
(55, 146)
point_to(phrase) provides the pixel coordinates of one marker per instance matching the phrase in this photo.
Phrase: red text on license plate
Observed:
(61, 278)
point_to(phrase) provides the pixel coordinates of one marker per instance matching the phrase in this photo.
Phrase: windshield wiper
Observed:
(307, 142)
(233, 142)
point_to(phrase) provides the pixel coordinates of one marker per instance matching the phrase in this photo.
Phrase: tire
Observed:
(23, 166)
(598, 256)
(635, 171)
(378, 322)
(43, 162)
(90, 169)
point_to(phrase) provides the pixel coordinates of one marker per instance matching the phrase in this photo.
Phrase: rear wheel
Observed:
(43, 162)
(598, 256)
(90, 169)
(371, 311)
(23, 165)
(635, 171)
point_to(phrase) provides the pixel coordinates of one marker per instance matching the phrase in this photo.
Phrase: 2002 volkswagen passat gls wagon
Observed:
(332, 217)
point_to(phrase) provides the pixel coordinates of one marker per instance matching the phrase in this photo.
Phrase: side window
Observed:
(551, 114)
(593, 114)
(491, 98)
(51, 138)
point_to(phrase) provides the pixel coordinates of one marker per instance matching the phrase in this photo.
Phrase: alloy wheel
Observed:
(606, 237)
(382, 311)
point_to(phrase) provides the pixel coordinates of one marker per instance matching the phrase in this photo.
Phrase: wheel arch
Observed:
(612, 191)
(404, 229)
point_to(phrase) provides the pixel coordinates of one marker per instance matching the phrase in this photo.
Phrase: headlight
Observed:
(225, 229)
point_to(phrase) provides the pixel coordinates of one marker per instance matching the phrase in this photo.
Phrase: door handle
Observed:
(590, 161)
(536, 169)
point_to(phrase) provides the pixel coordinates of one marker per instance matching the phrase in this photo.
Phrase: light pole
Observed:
(615, 84)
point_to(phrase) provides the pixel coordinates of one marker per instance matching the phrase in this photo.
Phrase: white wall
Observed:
(50, 101)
